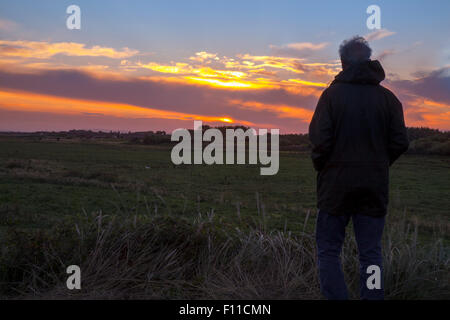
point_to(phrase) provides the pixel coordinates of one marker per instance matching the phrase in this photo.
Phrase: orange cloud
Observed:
(309, 83)
(283, 111)
(45, 50)
(184, 68)
(208, 69)
(378, 34)
(223, 84)
(307, 45)
(426, 112)
(30, 102)
(294, 49)
(177, 68)
(257, 62)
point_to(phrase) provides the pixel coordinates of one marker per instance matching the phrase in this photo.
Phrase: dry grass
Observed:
(165, 257)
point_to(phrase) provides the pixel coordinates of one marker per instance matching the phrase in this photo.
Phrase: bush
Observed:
(431, 145)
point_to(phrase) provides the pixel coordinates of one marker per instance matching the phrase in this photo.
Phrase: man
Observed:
(357, 132)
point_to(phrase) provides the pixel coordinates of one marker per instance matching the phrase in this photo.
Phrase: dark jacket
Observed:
(357, 132)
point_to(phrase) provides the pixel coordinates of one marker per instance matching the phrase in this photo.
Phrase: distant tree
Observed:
(421, 132)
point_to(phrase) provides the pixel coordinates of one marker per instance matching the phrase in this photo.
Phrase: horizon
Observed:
(153, 66)
(111, 131)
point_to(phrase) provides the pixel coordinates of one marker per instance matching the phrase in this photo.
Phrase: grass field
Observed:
(44, 183)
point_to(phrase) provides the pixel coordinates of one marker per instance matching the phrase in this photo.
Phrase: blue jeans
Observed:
(330, 234)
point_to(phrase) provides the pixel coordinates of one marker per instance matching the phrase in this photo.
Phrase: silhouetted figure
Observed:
(357, 132)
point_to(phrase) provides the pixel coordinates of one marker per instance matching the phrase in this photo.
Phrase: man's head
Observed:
(353, 51)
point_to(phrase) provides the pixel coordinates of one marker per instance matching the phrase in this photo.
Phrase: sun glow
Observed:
(226, 120)
(227, 84)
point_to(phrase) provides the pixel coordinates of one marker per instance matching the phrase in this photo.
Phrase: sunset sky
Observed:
(159, 65)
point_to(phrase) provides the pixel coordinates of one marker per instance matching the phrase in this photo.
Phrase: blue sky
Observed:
(229, 27)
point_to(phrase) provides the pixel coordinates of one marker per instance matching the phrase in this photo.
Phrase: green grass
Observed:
(41, 182)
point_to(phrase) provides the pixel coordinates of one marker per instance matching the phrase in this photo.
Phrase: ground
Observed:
(196, 231)
(42, 182)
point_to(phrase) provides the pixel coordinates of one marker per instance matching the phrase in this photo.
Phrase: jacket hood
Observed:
(367, 72)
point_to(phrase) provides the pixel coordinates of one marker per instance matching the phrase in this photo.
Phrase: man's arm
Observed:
(398, 137)
(321, 132)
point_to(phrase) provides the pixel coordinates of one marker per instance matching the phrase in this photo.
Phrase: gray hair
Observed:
(354, 50)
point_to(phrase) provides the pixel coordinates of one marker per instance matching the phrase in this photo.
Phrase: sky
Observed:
(159, 65)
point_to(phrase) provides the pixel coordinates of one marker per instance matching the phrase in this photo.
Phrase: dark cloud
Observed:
(179, 97)
(30, 121)
(434, 85)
